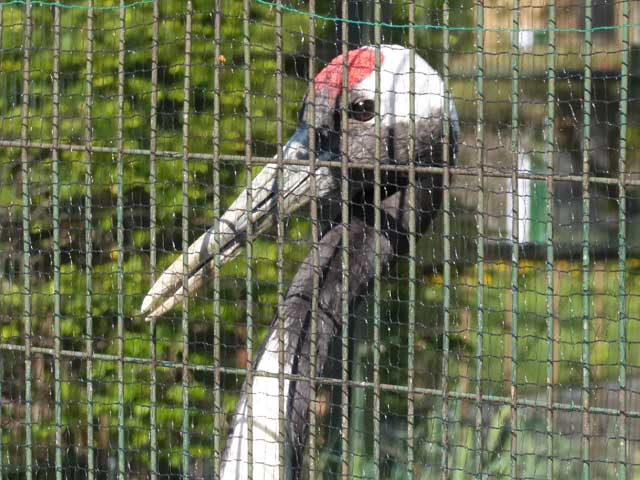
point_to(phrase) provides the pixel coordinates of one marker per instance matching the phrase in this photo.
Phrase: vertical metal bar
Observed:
(446, 239)
(186, 112)
(217, 394)
(88, 241)
(377, 222)
(515, 234)
(153, 247)
(248, 138)
(120, 241)
(480, 136)
(411, 320)
(586, 206)
(622, 243)
(1, 355)
(315, 238)
(344, 186)
(55, 167)
(26, 237)
(549, 159)
(280, 241)
(2, 49)
(4, 80)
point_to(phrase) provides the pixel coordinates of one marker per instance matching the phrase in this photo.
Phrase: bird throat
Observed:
(360, 64)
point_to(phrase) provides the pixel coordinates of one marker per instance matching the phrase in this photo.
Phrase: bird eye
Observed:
(362, 110)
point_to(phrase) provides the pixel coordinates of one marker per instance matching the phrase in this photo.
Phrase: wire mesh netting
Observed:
(453, 278)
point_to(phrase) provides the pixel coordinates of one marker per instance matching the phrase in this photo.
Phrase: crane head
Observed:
(399, 87)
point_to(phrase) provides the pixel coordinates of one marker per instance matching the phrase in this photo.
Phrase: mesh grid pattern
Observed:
(502, 343)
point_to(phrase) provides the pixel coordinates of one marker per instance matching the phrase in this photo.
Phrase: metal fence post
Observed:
(26, 237)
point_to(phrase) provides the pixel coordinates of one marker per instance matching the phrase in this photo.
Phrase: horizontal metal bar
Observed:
(533, 76)
(479, 27)
(501, 250)
(496, 399)
(489, 172)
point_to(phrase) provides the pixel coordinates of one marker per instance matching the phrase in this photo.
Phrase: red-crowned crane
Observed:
(227, 242)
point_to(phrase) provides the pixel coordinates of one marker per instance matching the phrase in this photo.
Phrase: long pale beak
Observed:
(168, 291)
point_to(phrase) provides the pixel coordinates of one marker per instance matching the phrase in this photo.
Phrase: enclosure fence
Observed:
(505, 341)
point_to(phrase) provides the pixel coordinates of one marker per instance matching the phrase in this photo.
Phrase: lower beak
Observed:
(168, 291)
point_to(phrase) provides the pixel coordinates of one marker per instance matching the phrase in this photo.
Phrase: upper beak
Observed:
(168, 291)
